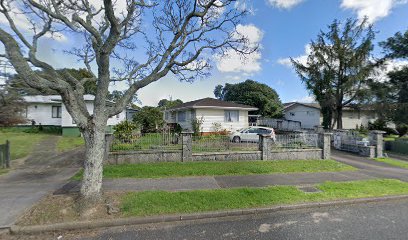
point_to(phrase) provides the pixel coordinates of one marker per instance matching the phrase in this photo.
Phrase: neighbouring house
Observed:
(215, 115)
(50, 111)
(309, 115)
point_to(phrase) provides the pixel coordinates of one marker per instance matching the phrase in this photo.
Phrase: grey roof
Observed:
(212, 103)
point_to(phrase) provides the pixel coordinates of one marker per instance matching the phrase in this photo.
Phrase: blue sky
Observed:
(285, 32)
(282, 28)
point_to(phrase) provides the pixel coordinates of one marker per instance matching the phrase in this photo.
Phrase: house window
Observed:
(231, 116)
(166, 115)
(117, 116)
(56, 111)
(181, 116)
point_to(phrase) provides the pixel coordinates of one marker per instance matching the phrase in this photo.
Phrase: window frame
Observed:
(185, 116)
(228, 118)
(59, 112)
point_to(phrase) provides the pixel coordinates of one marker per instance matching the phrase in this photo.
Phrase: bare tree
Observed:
(176, 36)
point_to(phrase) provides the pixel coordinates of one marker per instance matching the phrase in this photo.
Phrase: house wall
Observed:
(211, 116)
(68, 122)
(41, 113)
(308, 116)
(351, 119)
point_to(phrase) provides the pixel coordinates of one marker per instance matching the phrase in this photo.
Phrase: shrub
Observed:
(402, 129)
(196, 124)
(125, 131)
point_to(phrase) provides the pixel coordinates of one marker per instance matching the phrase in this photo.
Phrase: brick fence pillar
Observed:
(377, 140)
(265, 146)
(187, 146)
(324, 141)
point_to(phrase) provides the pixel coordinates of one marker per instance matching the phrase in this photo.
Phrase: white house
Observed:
(215, 115)
(50, 111)
(309, 115)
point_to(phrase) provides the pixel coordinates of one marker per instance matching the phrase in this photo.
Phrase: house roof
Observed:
(290, 105)
(212, 103)
(51, 98)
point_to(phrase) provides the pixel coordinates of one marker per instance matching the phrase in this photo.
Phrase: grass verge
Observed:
(161, 202)
(69, 143)
(21, 144)
(62, 208)
(392, 162)
(176, 169)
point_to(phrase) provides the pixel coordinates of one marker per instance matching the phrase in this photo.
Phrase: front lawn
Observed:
(393, 162)
(162, 202)
(177, 169)
(21, 144)
(62, 208)
(69, 143)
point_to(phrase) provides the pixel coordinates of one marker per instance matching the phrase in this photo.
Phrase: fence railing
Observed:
(5, 155)
(280, 124)
(210, 143)
(296, 141)
(222, 143)
(147, 141)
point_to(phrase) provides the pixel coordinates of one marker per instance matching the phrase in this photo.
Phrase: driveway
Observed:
(44, 171)
(371, 167)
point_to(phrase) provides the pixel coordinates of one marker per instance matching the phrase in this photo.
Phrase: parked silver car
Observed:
(251, 134)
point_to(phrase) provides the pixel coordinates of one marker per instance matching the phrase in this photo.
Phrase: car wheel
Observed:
(236, 139)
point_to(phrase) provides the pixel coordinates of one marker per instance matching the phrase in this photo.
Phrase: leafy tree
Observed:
(165, 103)
(338, 67)
(254, 94)
(394, 92)
(114, 44)
(12, 108)
(150, 119)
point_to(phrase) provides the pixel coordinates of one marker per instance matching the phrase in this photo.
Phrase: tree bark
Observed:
(339, 117)
(91, 188)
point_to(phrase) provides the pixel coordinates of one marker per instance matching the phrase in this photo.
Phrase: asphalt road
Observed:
(383, 220)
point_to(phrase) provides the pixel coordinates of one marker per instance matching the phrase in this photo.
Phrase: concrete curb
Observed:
(187, 217)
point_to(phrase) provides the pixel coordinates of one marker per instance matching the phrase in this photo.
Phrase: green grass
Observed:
(69, 143)
(3, 171)
(21, 144)
(162, 202)
(393, 162)
(176, 169)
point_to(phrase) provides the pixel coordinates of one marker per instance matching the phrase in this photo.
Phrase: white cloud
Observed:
(233, 61)
(373, 9)
(25, 26)
(302, 59)
(380, 74)
(284, 4)
(305, 99)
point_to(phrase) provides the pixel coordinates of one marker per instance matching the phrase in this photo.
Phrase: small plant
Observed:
(125, 131)
(196, 124)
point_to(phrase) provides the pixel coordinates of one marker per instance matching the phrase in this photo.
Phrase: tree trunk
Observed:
(339, 118)
(91, 187)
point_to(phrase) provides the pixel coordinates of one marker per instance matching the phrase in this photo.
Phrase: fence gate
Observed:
(5, 155)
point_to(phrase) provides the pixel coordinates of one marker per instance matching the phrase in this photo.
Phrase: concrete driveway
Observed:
(44, 171)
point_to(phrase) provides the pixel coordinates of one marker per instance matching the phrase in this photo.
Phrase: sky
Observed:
(282, 28)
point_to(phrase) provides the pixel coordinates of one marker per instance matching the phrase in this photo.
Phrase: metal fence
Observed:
(296, 141)
(5, 155)
(221, 143)
(147, 141)
(280, 124)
